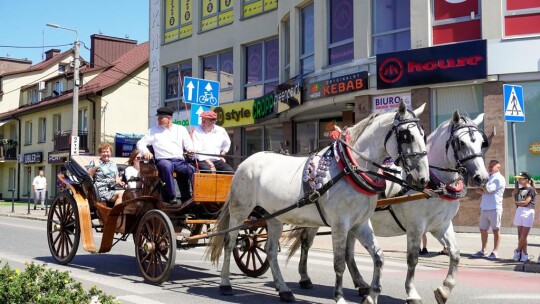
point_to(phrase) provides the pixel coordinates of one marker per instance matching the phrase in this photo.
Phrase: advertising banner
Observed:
(338, 85)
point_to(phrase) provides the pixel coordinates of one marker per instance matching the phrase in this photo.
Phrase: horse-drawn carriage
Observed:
(158, 228)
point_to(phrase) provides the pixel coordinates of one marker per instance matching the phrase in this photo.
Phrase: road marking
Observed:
(22, 226)
(511, 296)
(138, 300)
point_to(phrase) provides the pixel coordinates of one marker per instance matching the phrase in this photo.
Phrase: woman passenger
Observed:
(106, 177)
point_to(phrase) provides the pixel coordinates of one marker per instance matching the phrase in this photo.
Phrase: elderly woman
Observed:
(210, 142)
(106, 177)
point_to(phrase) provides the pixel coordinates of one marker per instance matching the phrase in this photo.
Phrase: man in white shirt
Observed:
(40, 185)
(169, 142)
(491, 209)
(210, 143)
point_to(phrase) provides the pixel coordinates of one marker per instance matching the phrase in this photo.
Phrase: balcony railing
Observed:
(8, 149)
(62, 141)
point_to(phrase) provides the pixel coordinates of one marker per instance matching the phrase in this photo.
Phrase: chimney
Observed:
(50, 53)
(105, 50)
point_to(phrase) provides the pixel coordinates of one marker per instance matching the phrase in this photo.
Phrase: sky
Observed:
(23, 24)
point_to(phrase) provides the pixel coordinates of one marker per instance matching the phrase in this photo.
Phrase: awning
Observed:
(3, 122)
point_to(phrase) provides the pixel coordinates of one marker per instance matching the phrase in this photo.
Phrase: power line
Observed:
(32, 47)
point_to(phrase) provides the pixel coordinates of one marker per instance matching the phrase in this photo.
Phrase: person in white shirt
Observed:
(132, 171)
(491, 209)
(40, 185)
(169, 142)
(210, 143)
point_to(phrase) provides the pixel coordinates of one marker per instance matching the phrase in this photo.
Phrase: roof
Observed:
(119, 70)
(42, 65)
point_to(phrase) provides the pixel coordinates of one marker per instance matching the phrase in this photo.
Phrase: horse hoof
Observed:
(306, 284)
(363, 291)
(225, 290)
(414, 301)
(286, 296)
(440, 295)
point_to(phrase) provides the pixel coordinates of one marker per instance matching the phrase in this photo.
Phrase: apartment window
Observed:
(256, 7)
(28, 133)
(219, 67)
(174, 77)
(32, 96)
(391, 26)
(58, 88)
(216, 13)
(83, 120)
(521, 17)
(262, 68)
(307, 36)
(178, 20)
(61, 68)
(340, 46)
(57, 123)
(287, 49)
(455, 21)
(42, 130)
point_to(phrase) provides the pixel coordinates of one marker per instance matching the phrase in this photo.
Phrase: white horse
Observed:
(274, 182)
(454, 149)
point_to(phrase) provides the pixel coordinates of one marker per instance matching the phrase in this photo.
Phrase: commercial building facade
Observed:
(291, 70)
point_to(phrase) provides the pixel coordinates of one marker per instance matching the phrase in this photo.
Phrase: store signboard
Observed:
(390, 102)
(338, 85)
(32, 158)
(125, 143)
(56, 158)
(234, 114)
(284, 97)
(440, 64)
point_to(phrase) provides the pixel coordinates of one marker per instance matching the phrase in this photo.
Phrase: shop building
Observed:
(291, 70)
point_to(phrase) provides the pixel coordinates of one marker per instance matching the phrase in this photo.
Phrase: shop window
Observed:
(216, 13)
(273, 138)
(42, 130)
(468, 100)
(219, 67)
(522, 17)
(253, 140)
(262, 68)
(174, 77)
(178, 20)
(28, 132)
(256, 7)
(314, 135)
(327, 126)
(340, 18)
(456, 21)
(307, 36)
(391, 26)
(527, 141)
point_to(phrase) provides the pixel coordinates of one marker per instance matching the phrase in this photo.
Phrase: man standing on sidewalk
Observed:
(39, 184)
(491, 209)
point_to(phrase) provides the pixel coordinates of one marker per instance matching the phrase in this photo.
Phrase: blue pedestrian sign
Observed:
(201, 91)
(196, 111)
(514, 106)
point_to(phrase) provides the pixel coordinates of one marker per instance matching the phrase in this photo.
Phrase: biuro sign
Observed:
(339, 85)
(234, 114)
(440, 64)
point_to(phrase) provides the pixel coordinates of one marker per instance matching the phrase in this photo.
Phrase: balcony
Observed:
(62, 141)
(8, 149)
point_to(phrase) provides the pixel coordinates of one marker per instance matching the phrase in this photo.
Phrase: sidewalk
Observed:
(468, 240)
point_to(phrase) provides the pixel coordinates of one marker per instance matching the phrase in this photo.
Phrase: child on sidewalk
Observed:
(524, 217)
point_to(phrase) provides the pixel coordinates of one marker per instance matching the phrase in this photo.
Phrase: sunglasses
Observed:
(138, 158)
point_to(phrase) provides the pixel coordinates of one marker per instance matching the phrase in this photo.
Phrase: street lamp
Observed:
(75, 114)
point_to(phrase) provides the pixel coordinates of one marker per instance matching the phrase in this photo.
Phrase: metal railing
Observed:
(62, 140)
(8, 151)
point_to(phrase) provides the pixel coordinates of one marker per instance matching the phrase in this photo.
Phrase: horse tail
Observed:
(216, 244)
(295, 236)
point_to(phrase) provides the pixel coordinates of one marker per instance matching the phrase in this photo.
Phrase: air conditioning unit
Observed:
(41, 86)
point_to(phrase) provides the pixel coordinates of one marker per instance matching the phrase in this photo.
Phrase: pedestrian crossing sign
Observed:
(514, 107)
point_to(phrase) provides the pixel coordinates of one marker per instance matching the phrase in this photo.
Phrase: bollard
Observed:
(28, 202)
(46, 203)
(12, 200)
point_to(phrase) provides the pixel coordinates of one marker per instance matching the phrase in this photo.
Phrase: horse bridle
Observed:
(404, 137)
(455, 142)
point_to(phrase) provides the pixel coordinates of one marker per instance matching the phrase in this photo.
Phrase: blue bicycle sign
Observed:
(209, 98)
(201, 91)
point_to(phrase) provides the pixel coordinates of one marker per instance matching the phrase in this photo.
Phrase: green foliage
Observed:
(40, 285)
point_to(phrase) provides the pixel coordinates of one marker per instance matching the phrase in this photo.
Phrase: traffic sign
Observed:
(74, 145)
(201, 91)
(514, 106)
(196, 111)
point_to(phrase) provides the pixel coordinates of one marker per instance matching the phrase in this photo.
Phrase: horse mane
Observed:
(356, 130)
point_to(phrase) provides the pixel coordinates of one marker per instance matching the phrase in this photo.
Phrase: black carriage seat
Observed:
(81, 176)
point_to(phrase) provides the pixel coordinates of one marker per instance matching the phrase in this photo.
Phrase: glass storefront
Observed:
(315, 134)
(468, 100)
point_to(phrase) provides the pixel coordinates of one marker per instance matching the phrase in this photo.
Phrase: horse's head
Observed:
(405, 143)
(464, 147)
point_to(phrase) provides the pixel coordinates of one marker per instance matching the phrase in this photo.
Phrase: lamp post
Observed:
(76, 82)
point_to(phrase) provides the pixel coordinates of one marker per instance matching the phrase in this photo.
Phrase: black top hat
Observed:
(164, 111)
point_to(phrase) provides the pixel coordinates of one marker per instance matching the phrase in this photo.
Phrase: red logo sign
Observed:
(391, 70)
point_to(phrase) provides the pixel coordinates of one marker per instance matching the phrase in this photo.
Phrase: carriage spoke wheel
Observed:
(155, 246)
(249, 253)
(63, 230)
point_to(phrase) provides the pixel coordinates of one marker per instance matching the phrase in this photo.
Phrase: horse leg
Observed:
(275, 228)
(225, 287)
(359, 282)
(366, 237)
(413, 249)
(448, 239)
(307, 237)
(339, 237)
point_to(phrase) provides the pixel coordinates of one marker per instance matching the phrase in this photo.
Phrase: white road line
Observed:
(511, 296)
(137, 300)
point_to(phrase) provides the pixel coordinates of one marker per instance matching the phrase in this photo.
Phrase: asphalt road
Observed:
(194, 280)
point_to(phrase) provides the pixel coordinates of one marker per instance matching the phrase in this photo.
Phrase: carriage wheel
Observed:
(155, 246)
(249, 253)
(63, 230)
